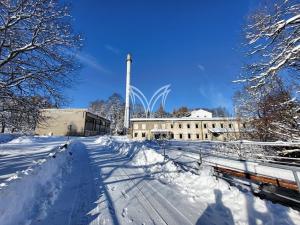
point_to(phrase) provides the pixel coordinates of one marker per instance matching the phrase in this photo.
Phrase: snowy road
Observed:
(116, 181)
(104, 188)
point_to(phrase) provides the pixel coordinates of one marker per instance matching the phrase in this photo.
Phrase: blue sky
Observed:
(193, 45)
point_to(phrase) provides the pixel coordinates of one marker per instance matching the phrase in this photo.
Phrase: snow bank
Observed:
(22, 140)
(7, 137)
(202, 189)
(120, 144)
(104, 140)
(30, 192)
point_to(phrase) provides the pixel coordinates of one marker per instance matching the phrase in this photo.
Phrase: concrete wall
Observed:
(187, 129)
(76, 122)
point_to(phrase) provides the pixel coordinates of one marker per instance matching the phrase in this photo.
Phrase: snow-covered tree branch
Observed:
(36, 46)
(273, 43)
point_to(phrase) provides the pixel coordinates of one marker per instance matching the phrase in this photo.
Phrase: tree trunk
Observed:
(3, 127)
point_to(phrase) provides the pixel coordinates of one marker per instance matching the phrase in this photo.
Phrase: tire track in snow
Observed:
(158, 204)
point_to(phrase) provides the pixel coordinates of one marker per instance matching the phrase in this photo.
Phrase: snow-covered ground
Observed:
(7, 137)
(23, 152)
(112, 180)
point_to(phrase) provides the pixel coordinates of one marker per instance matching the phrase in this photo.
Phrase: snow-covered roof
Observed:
(160, 131)
(200, 113)
(221, 130)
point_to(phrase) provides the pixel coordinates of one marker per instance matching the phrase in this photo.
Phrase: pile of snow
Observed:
(22, 140)
(154, 164)
(104, 140)
(29, 193)
(203, 187)
(7, 137)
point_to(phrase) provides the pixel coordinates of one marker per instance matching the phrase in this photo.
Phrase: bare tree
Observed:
(111, 109)
(36, 55)
(273, 43)
(137, 111)
(98, 107)
(161, 113)
(271, 114)
(181, 112)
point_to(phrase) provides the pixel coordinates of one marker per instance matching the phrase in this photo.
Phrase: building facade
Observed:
(187, 128)
(74, 122)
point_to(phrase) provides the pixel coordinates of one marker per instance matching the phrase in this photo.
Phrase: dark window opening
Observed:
(206, 136)
(244, 125)
(222, 126)
(230, 125)
(180, 136)
(213, 125)
(197, 135)
(171, 125)
(216, 134)
(179, 125)
(189, 136)
(143, 134)
(135, 134)
(204, 125)
(196, 126)
(188, 126)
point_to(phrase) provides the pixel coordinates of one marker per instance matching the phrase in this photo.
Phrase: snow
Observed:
(22, 140)
(23, 152)
(35, 187)
(113, 180)
(204, 188)
(7, 137)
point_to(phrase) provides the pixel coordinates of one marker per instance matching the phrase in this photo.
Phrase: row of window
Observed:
(190, 136)
(180, 135)
(143, 134)
(204, 125)
(136, 126)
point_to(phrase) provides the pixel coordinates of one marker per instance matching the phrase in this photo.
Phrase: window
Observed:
(213, 125)
(180, 136)
(222, 126)
(135, 134)
(179, 125)
(244, 125)
(230, 125)
(197, 136)
(188, 125)
(196, 125)
(172, 126)
(189, 136)
(144, 126)
(143, 134)
(206, 136)
(204, 125)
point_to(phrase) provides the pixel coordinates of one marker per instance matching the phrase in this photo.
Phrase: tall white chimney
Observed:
(127, 103)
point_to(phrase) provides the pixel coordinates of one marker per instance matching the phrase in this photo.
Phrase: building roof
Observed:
(74, 110)
(65, 109)
(184, 119)
(200, 113)
(221, 130)
(160, 131)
